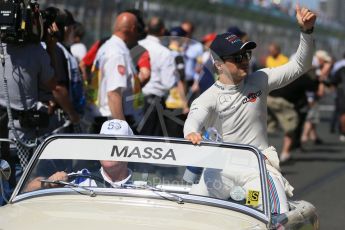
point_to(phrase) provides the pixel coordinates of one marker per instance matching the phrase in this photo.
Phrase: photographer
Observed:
(26, 67)
(65, 23)
(69, 81)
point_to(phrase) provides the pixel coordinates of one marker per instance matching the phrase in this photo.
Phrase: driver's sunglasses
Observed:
(239, 57)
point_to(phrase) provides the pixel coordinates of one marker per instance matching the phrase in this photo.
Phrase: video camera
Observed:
(22, 21)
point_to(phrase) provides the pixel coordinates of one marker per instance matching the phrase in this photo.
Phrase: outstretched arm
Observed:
(302, 62)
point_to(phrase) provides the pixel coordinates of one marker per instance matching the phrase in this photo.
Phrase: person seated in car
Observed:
(115, 173)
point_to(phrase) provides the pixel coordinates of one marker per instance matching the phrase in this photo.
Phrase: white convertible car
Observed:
(101, 182)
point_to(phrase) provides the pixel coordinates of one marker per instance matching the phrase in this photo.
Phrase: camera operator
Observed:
(65, 23)
(69, 82)
(27, 67)
(67, 72)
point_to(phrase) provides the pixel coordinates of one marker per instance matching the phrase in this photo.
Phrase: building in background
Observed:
(333, 9)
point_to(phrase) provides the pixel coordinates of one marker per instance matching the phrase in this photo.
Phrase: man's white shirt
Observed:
(163, 68)
(193, 50)
(92, 182)
(115, 64)
(78, 50)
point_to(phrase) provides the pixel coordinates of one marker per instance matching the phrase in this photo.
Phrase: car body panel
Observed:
(64, 211)
(73, 207)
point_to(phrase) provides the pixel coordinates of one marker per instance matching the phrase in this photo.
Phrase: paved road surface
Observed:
(318, 176)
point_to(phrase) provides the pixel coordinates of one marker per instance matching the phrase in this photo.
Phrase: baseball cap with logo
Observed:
(322, 54)
(235, 30)
(116, 127)
(228, 44)
(178, 31)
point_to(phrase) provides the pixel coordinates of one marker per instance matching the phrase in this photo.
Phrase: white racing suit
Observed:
(239, 113)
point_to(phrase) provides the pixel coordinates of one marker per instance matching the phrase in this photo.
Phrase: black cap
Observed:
(178, 31)
(228, 44)
(235, 30)
(64, 18)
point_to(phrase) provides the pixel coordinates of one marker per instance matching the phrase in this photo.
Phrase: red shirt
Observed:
(144, 60)
(91, 54)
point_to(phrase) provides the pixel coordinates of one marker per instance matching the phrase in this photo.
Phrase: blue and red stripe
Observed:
(274, 199)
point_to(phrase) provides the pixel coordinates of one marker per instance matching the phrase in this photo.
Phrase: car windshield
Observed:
(226, 173)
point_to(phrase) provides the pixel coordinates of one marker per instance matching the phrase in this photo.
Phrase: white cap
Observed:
(322, 54)
(116, 127)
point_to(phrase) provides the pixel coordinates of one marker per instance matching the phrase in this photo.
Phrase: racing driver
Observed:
(236, 104)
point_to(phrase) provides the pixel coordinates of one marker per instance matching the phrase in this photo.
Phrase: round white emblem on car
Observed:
(237, 193)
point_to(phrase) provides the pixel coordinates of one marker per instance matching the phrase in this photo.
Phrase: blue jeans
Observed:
(19, 172)
(6, 186)
(7, 192)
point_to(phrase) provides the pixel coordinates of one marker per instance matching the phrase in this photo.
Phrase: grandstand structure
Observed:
(263, 24)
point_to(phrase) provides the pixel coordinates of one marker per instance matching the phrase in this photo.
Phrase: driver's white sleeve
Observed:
(280, 76)
(197, 118)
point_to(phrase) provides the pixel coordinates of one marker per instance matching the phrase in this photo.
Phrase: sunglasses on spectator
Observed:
(239, 57)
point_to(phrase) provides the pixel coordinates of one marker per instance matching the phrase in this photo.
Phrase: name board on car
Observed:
(142, 152)
(148, 151)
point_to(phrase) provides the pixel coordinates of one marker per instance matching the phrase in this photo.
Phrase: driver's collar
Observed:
(117, 183)
(230, 87)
